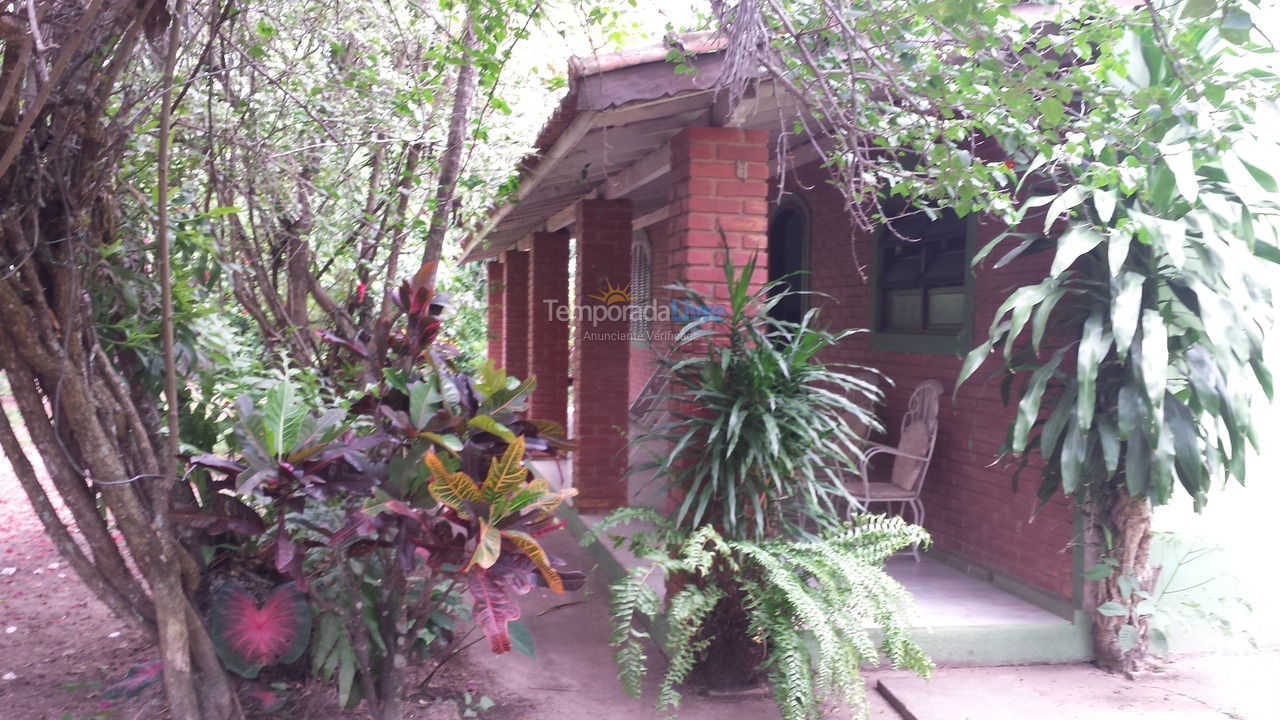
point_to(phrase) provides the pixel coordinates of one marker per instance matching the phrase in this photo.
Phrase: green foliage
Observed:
(1141, 140)
(384, 513)
(1166, 264)
(762, 433)
(811, 604)
(1192, 600)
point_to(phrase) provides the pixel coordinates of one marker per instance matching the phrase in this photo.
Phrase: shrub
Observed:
(385, 514)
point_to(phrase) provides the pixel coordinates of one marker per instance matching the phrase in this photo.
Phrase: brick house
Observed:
(634, 175)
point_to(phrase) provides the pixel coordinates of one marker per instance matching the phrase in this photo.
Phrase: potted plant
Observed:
(764, 574)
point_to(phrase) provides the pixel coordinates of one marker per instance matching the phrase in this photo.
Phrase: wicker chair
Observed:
(910, 458)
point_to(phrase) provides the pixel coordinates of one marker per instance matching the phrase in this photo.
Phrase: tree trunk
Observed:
(1120, 641)
(85, 417)
(451, 160)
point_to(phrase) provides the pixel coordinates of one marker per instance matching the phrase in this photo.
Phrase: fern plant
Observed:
(813, 605)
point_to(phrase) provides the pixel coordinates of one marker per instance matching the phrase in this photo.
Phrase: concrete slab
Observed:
(1205, 688)
(950, 598)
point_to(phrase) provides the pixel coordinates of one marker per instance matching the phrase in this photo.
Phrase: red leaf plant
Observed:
(249, 636)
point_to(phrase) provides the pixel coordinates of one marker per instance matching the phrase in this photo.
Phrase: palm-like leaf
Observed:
(762, 434)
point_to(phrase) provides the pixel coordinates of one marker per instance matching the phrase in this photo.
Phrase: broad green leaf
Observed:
(347, 676)
(1029, 406)
(1118, 241)
(1242, 181)
(1136, 67)
(488, 547)
(1158, 641)
(1199, 8)
(521, 639)
(1126, 306)
(422, 401)
(1109, 438)
(1137, 464)
(1074, 242)
(449, 442)
(1072, 197)
(1179, 159)
(1100, 571)
(1073, 456)
(973, 361)
(1128, 638)
(491, 426)
(1040, 319)
(1186, 443)
(1155, 356)
(282, 415)
(1104, 201)
(1113, 609)
(1128, 410)
(1094, 343)
(1051, 433)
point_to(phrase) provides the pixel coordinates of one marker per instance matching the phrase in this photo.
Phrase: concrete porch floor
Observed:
(950, 598)
(962, 620)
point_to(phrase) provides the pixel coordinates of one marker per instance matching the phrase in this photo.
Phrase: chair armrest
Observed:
(878, 448)
(874, 449)
(864, 468)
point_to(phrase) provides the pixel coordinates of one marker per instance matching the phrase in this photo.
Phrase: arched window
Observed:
(789, 257)
(641, 286)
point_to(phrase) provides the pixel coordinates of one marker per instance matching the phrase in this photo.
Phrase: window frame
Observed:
(923, 342)
(640, 326)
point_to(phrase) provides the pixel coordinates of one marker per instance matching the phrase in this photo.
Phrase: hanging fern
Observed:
(813, 604)
(685, 615)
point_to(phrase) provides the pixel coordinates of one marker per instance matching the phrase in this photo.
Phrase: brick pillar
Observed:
(721, 183)
(515, 313)
(549, 325)
(494, 291)
(600, 356)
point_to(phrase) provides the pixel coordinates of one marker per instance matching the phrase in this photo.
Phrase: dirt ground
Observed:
(59, 646)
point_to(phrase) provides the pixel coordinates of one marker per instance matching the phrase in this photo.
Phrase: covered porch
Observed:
(642, 179)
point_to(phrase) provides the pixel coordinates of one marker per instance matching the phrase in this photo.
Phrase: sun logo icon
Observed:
(612, 294)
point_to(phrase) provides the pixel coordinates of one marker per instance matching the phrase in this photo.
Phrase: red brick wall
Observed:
(971, 508)
(515, 312)
(718, 199)
(494, 291)
(600, 363)
(548, 330)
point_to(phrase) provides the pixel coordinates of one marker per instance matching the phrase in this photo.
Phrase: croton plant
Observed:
(371, 521)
